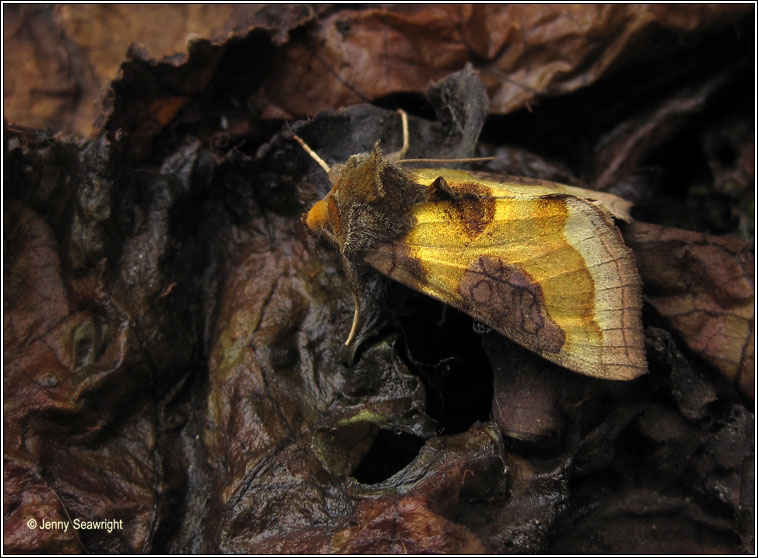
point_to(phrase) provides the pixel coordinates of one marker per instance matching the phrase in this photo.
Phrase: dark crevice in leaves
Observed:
(582, 121)
(412, 103)
(390, 453)
(444, 350)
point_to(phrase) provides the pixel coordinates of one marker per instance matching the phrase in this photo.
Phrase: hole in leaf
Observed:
(390, 453)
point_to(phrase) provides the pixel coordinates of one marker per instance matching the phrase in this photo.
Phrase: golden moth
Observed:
(540, 262)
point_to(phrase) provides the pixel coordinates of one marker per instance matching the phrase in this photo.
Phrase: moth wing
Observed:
(521, 186)
(550, 272)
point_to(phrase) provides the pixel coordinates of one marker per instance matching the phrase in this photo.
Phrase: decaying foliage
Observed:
(173, 339)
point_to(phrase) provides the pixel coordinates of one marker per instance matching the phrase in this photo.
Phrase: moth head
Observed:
(317, 217)
(324, 218)
(357, 180)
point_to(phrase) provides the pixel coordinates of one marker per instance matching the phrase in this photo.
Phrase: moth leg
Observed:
(352, 277)
(356, 320)
(406, 138)
(332, 238)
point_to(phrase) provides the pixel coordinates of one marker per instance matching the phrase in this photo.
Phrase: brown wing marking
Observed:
(507, 298)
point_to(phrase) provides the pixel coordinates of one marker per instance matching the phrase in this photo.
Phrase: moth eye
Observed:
(318, 216)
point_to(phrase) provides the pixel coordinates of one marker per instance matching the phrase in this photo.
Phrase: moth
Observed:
(540, 262)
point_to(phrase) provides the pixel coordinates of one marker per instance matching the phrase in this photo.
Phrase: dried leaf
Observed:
(173, 339)
(525, 394)
(703, 286)
(691, 389)
(28, 497)
(620, 152)
(373, 53)
(525, 52)
(57, 366)
(86, 340)
(655, 521)
(59, 58)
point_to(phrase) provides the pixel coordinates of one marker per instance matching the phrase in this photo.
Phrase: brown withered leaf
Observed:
(45, 76)
(670, 465)
(703, 286)
(525, 52)
(655, 521)
(59, 59)
(621, 150)
(57, 420)
(525, 399)
(412, 511)
(86, 347)
(448, 472)
(372, 53)
(28, 496)
(537, 497)
(405, 525)
(174, 339)
(691, 389)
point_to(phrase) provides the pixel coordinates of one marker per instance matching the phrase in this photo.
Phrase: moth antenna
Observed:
(356, 319)
(464, 160)
(312, 153)
(406, 135)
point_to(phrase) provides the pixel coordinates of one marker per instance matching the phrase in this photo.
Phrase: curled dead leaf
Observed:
(703, 285)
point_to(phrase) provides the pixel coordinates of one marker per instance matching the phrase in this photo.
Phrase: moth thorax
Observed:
(360, 178)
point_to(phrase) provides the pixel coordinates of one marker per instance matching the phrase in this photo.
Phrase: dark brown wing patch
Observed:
(472, 206)
(508, 299)
(474, 212)
(395, 260)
